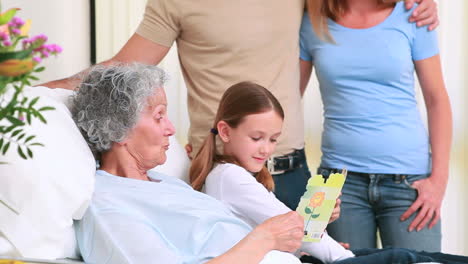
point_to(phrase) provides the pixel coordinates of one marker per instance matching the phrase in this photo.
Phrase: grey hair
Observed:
(110, 99)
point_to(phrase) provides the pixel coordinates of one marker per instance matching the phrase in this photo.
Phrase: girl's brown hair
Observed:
(239, 101)
(321, 10)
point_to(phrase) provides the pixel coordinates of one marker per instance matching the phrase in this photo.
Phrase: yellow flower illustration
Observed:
(317, 199)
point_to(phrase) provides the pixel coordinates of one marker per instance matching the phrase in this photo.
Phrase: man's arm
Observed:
(137, 49)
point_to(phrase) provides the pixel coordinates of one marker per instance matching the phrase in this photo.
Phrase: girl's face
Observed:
(253, 141)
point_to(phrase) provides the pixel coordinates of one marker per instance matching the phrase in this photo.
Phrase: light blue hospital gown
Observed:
(134, 221)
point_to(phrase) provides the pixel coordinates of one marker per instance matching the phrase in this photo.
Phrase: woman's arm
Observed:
(306, 71)
(431, 190)
(111, 237)
(283, 232)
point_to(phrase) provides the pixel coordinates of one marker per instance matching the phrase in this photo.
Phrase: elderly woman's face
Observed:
(148, 141)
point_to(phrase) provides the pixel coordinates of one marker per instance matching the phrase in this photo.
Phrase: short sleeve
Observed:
(304, 35)
(160, 22)
(116, 238)
(425, 43)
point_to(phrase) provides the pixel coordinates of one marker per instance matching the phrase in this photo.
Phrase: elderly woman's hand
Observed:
(283, 232)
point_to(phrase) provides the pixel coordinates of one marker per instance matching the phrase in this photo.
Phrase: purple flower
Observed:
(37, 59)
(16, 31)
(3, 36)
(16, 22)
(45, 53)
(7, 43)
(53, 48)
(40, 37)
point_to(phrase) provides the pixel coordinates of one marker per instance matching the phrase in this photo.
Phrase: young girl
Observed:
(248, 124)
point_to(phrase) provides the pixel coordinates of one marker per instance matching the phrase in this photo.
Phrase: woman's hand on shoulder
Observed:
(283, 232)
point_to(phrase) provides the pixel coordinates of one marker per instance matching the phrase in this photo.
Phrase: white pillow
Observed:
(177, 163)
(40, 197)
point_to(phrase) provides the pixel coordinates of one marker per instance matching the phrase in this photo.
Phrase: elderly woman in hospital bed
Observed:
(138, 216)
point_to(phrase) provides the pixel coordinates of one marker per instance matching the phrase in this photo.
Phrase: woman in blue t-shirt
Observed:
(365, 53)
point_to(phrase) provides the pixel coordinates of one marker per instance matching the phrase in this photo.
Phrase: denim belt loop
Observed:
(398, 178)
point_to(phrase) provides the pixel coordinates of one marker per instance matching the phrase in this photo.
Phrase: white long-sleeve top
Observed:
(252, 202)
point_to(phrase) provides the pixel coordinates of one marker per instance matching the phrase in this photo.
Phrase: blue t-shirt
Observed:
(371, 120)
(135, 221)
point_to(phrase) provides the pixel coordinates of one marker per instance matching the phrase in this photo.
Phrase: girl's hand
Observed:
(336, 211)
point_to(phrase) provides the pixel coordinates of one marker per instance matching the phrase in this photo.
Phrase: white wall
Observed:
(66, 23)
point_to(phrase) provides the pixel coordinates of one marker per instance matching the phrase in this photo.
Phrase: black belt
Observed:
(287, 162)
(325, 172)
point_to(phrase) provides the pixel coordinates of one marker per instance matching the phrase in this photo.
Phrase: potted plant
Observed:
(20, 58)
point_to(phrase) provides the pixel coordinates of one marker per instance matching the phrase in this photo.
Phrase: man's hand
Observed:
(188, 150)
(424, 14)
(428, 203)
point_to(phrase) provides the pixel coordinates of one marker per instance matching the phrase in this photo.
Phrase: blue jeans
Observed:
(291, 185)
(376, 202)
(400, 256)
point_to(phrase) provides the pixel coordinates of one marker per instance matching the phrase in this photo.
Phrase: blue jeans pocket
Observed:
(410, 179)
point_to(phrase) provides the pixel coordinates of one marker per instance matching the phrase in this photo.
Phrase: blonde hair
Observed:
(321, 10)
(239, 101)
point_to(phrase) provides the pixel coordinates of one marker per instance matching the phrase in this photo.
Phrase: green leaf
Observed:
(21, 136)
(34, 78)
(15, 121)
(5, 148)
(30, 153)
(28, 139)
(18, 55)
(37, 144)
(40, 69)
(315, 215)
(46, 108)
(28, 118)
(41, 117)
(10, 128)
(16, 132)
(307, 210)
(1, 143)
(33, 101)
(8, 15)
(20, 152)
